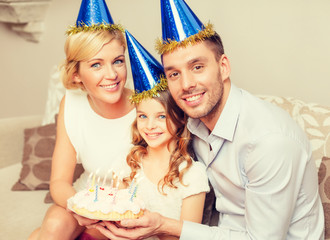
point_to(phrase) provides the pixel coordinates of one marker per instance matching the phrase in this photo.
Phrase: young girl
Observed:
(92, 121)
(169, 181)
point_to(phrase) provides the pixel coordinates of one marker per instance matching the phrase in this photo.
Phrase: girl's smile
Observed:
(152, 124)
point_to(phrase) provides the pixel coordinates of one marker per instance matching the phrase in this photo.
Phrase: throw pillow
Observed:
(39, 143)
(324, 190)
(38, 149)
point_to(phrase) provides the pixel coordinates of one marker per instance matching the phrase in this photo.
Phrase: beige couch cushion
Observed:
(23, 211)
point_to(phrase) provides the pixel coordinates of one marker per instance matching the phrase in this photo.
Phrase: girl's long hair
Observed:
(181, 138)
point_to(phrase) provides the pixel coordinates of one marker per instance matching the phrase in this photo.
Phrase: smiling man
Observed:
(257, 158)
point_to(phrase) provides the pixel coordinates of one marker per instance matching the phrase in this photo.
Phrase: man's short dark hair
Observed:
(215, 43)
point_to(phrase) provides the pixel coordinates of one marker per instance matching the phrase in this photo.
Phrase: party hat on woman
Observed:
(180, 26)
(93, 15)
(148, 74)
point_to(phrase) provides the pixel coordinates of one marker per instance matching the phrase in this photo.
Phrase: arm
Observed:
(192, 210)
(274, 171)
(63, 163)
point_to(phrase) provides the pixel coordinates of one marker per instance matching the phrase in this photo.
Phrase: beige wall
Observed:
(275, 47)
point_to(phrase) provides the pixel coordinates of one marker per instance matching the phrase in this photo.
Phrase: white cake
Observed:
(107, 203)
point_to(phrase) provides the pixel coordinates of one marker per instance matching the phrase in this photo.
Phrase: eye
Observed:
(173, 75)
(96, 65)
(198, 67)
(142, 116)
(119, 61)
(162, 116)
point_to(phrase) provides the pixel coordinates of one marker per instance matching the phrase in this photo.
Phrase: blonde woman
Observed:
(94, 119)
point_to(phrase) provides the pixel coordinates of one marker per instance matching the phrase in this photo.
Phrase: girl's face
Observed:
(151, 123)
(104, 75)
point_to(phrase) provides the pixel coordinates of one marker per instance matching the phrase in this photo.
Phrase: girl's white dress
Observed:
(101, 144)
(169, 205)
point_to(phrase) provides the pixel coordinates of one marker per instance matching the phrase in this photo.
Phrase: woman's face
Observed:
(104, 75)
(151, 123)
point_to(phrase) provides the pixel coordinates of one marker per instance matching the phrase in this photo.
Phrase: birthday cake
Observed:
(107, 203)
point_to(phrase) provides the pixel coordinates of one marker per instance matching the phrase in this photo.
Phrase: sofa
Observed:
(23, 209)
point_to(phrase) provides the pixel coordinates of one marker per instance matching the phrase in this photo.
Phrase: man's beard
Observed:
(214, 105)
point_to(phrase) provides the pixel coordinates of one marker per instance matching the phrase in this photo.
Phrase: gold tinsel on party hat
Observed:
(160, 86)
(165, 46)
(93, 27)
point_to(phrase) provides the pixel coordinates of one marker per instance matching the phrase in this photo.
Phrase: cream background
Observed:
(275, 47)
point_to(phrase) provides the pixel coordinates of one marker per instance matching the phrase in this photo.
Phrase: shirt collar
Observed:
(227, 122)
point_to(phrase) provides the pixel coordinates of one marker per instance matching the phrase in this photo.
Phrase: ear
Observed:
(224, 67)
(76, 78)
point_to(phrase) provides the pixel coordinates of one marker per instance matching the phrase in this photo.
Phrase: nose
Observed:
(151, 123)
(110, 72)
(187, 82)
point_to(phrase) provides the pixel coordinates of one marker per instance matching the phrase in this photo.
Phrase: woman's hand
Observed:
(83, 221)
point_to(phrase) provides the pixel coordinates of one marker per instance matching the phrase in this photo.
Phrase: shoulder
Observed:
(197, 172)
(195, 181)
(276, 155)
(260, 120)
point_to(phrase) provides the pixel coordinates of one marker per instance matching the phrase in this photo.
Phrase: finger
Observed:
(101, 224)
(131, 223)
(123, 233)
(94, 225)
(108, 233)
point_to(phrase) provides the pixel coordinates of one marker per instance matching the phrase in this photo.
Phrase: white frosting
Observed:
(107, 200)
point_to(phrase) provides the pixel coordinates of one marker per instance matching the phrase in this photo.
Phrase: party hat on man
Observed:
(93, 15)
(180, 26)
(148, 74)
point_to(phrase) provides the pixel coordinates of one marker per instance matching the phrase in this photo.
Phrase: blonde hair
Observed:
(83, 46)
(181, 138)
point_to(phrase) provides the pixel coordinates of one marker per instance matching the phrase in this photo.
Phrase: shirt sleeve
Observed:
(196, 231)
(195, 180)
(274, 171)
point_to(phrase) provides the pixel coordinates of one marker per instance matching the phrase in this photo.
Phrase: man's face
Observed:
(194, 79)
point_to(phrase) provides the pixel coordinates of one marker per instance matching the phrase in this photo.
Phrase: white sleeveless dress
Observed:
(101, 144)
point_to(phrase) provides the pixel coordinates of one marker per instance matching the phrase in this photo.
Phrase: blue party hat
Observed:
(180, 26)
(148, 73)
(93, 15)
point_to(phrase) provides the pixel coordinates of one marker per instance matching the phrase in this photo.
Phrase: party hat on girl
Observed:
(180, 26)
(93, 15)
(148, 73)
